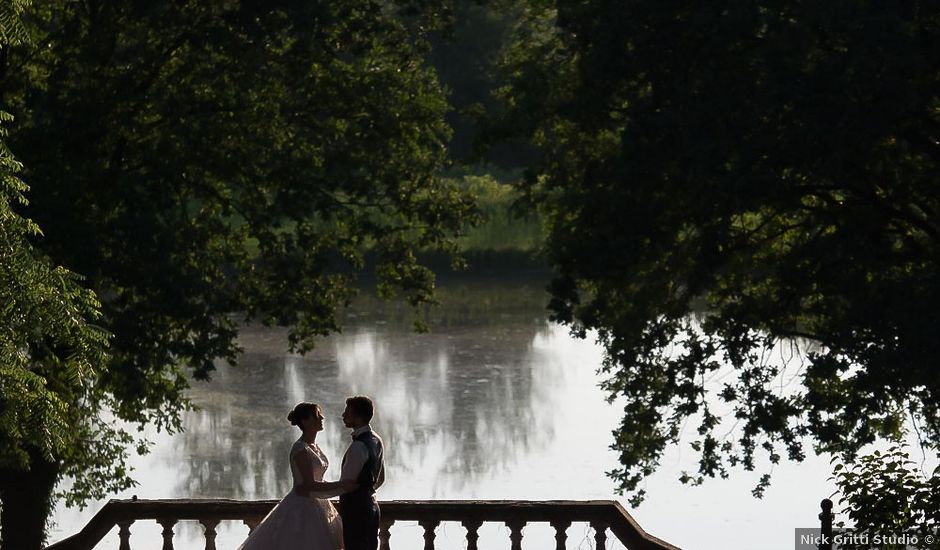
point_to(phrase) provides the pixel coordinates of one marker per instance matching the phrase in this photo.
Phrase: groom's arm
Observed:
(310, 486)
(381, 477)
(355, 459)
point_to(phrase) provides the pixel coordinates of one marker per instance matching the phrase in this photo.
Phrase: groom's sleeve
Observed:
(355, 459)
(381, 478)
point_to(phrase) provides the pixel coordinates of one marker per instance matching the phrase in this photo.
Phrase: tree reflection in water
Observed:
(469, 400)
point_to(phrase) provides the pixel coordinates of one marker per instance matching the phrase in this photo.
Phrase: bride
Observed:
(301, 522)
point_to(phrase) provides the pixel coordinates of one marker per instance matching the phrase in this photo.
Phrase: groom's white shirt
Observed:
(356, 456)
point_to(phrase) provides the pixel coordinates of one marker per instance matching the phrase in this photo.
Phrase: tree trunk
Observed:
(27, 501)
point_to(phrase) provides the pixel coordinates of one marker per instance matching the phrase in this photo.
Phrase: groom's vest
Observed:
(370, 471)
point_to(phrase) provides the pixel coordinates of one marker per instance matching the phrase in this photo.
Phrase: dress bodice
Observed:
(317, 457)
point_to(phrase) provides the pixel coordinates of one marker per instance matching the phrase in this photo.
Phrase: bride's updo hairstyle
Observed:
(302, 410)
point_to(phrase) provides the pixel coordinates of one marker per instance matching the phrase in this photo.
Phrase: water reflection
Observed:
(454, 406)
(450, 415)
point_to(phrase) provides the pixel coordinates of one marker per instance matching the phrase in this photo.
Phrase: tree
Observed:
(51, 355)
(203, 163)
(886, 494)
(720, 178)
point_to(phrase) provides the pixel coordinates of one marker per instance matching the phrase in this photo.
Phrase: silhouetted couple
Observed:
(305, 519)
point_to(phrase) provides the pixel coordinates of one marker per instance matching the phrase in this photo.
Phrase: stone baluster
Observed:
(561, 533)
(385, 533)
(600, 535)
(473, 536)
(167, 524)
(124, 534)
(515, 533)
(210, 525)
(429, 527)
(251, 522)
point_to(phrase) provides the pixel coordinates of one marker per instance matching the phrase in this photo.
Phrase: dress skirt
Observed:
(298, 523)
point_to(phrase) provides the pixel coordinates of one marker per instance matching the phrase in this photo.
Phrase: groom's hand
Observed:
(348, 486)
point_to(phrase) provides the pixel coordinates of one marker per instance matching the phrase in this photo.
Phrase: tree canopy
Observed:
(723, 177)
(200, 163)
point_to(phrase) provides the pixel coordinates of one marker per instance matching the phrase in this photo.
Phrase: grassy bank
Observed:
(501, 228)
(505, 242)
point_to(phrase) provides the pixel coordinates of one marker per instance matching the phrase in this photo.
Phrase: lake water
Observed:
(494, 403)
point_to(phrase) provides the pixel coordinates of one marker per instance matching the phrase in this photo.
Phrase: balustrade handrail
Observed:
(599, 513)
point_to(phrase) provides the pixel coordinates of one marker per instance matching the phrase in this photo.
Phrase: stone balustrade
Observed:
(603, 516)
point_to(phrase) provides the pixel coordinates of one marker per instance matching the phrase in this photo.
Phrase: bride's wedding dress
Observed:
(297, 522)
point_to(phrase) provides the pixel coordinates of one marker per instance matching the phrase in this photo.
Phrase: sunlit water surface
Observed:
(494, 403)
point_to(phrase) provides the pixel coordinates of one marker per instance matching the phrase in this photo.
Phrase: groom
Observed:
(363, 464)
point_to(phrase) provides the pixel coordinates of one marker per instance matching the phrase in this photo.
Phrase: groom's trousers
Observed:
(360, 524)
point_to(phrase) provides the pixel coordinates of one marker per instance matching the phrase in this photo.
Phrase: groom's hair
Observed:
(361, 406)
